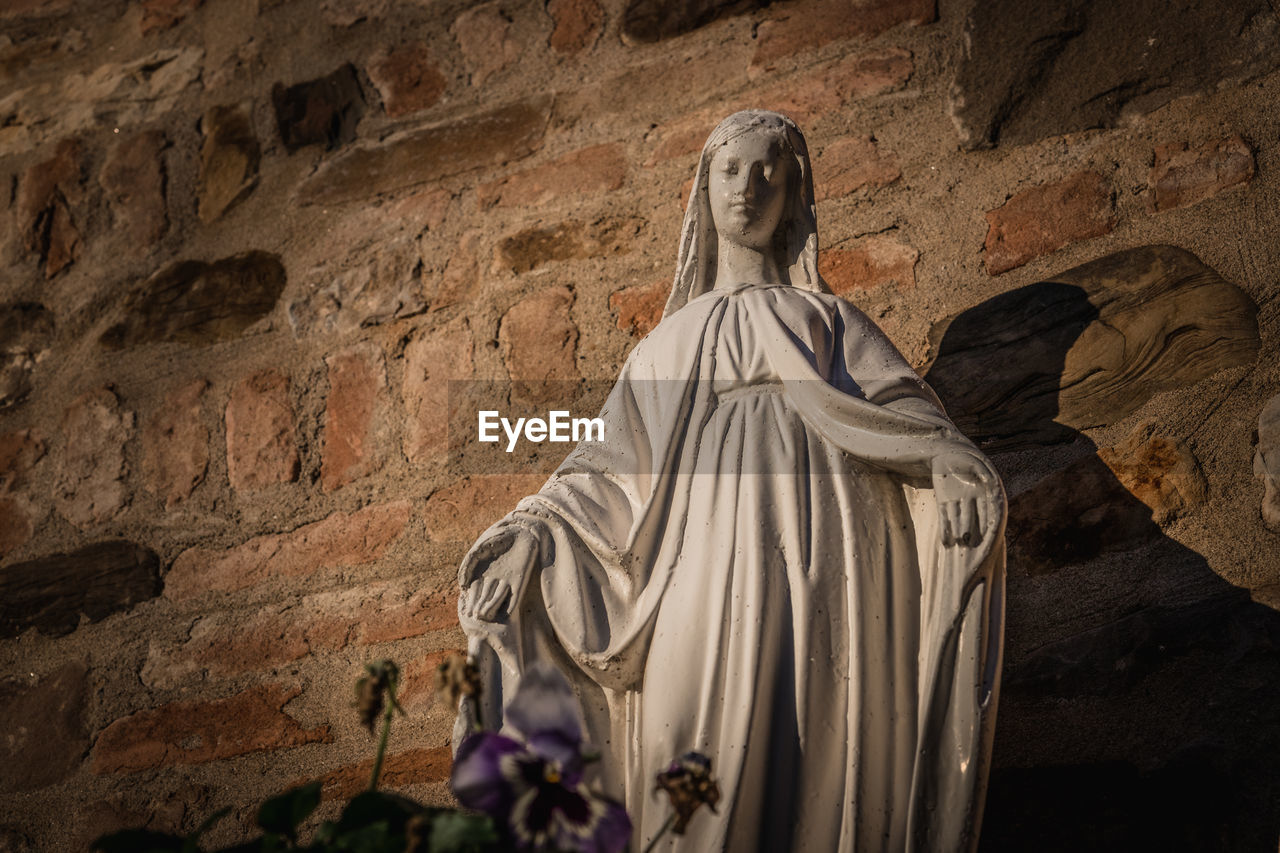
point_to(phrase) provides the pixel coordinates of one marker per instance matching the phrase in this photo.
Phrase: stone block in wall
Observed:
(261, 442)
(648, 21)
(485, 37)
(568, 240)
(596, 169)
(133, 178)
(44, 724)
(19, 453)
(410, 158)
(354, 421)
(577, 25)
(90, 486)
(1088, 347)
(875, 261)
(853, 164)
(1080, 64)
(461, 510)
(160, 15)
(52, 594)
(416, 766)
(367, 287)
(47, 191)
(433, 359)
(229, 158)
(1043, 219)
(407, 78)
(175, 445)
(199, 732)
(539, 343)
(324, 111)
(26, 334)
(810, 24)
(198, 302)
(640, 306)
(1183, 175)
(341, 539)
(1266, 462)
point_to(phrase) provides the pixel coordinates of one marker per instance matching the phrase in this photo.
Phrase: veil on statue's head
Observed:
(797, 237)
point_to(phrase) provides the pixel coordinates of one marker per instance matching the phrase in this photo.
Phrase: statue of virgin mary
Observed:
(783, 555)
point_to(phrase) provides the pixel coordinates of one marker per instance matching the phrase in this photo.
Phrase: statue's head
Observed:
(753, 186)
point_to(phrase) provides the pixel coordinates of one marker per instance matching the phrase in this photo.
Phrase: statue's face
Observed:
(748, 190)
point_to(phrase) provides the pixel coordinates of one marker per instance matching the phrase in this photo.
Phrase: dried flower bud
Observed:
(456, 678)
(417, 832)
(370, 690)
(689, 784)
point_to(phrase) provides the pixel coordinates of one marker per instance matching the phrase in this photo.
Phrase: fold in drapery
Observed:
(611, 523)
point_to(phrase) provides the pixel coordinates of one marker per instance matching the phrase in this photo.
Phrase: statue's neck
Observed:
(737, 264)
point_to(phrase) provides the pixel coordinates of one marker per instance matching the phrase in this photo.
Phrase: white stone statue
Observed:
(783, 555)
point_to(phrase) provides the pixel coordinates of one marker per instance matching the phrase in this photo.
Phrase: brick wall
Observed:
(247, 244)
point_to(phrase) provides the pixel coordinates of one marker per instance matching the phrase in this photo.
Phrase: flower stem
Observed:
(653, 842)
(384, 737)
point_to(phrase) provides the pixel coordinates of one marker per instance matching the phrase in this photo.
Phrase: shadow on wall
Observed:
(1141, 701)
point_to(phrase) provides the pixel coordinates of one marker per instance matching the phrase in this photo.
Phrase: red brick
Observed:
(814, 94)
(45, 194)
(565, 241)
(599, 168)
(419, 766)
(461, 273)
(539, 343)
(424, 210)
(1183, 175)
(357, 388)
(91, 480)
(342, 539)
(460, 511)
(809, 24)
(431, 360)
(578, 24)
(261, 447)
(417, 693)
(1043, 219)
(175, 445)
(484, 36)
(850, 164)
(160, 15)
(134, 180)
(407, 79)
(876, 261)
(640, 306)
(44, 731)
(199, 732)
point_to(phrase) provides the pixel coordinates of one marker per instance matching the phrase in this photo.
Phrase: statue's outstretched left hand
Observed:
(966, 488)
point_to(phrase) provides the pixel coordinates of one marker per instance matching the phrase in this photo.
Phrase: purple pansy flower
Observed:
(533, 784)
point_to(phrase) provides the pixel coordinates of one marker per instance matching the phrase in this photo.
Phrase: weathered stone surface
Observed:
(407, 79)
(198, 303)
(321, 111)
(431, 360)
(812, 23)
(198, 732)
(45, 737)
(413, 157)
(851, 164)
(647, 21)
(159, 15)
(539, 343)
(462, 271)
(1079, 64)
(367, 287)
(52, 593)
(17, 523)
(1183, 175)
(1159, 471)
(419, 766)
(261, 446)
(460, 511)
(229, 158)
(175, 445)
(873, 262)
(640, 306)
(90, 488)
(1043, 219)
(1034, 365)
(578, 24)
(342, 539)
(44, 214)
(134, 180)
(26, 333)
(1266, 462)
(357, 388)
(19, 9)
(19, 453)
(568, 240)
(484, 35)
(599, 168)
(227, 643)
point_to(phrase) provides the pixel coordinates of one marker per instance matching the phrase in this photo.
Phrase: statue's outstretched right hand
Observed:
(494, 573)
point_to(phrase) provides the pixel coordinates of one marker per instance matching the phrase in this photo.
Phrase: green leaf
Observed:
(454, 832)
(375, 837)
(371, 807)
(139, 841)
(283, 814)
